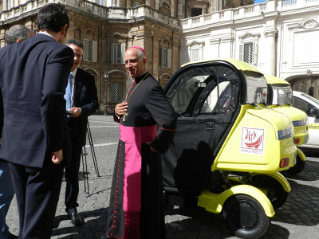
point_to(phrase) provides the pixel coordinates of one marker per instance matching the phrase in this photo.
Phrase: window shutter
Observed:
(241, 52)
(94, 51)
(195, 55)
(86, 50)
(169, 58)
(122, 52)
(113, 53)
(162, 56)
(255, 53)
(90, 50)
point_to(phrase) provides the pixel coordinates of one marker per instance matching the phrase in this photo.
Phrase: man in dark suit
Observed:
(81, 98)
(16, 33)
(33, 77)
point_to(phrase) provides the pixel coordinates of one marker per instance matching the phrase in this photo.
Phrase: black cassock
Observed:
(136, 206)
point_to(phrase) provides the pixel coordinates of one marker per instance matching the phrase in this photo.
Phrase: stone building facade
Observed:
(106, 33)
(279, 37)
(108, 27)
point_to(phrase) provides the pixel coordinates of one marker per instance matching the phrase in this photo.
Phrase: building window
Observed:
(90, 50)
(116, 92)
(196, 12)
(137, 3)
(166, 57)
(248, 47)
(165, 8)
(118, 50)
(195, 55)
(247, 53)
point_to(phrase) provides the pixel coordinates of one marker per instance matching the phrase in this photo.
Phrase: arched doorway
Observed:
(115, 89)
(163, 79)
(308, 84)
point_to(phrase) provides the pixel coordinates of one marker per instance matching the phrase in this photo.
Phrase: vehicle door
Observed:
(206, 99)
(309, 107)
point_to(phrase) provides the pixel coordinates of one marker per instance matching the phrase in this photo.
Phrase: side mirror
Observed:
(314, 112)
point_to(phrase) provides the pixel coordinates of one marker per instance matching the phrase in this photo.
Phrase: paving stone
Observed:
(298, 218)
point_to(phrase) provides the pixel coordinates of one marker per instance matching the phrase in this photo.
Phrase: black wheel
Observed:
(299, 166)
(245, 217)
(275, 192)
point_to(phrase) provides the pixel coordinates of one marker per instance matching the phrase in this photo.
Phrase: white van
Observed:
(310, 106)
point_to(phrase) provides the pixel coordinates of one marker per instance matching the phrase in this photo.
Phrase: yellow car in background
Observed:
(280, 99)
(228, 149)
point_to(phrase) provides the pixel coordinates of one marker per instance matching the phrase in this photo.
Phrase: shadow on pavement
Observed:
(93, 227)
(302, 206)
(197, 223)
(309, 173)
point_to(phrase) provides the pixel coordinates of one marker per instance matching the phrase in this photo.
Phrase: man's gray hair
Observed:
(140, 54)
(17, 32)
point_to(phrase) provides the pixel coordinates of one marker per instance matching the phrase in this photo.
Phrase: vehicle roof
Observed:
(240, 65)
(297, 93)
(272, 80)
(306, 97)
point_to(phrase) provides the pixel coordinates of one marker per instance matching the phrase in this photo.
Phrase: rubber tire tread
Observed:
(258, 230)
(299, 166)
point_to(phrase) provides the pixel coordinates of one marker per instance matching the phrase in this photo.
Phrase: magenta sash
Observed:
(133, 137)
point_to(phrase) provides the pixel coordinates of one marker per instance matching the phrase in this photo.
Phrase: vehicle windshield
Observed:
(311, 98)
(282, 94)
(256, 88)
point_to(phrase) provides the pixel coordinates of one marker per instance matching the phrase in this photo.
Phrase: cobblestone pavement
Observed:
(298, 218)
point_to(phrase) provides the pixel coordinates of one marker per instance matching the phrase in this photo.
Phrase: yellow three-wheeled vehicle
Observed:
(228, 148)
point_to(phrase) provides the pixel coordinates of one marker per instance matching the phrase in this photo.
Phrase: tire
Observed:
(275, 191)
(245, 217)
(299, 166)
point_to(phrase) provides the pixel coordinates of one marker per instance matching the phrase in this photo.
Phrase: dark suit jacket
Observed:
(33, 78)
(85, 97)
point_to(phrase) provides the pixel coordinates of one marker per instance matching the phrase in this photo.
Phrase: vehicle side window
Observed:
(302, 105)
(218, 100)
(184, 95)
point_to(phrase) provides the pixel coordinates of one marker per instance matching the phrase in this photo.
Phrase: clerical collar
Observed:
(139, 78)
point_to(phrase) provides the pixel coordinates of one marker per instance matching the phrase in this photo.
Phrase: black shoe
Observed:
(55, 224)
(12, 236)
(75, 219)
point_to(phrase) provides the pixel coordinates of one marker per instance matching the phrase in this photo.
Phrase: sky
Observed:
(259, 1)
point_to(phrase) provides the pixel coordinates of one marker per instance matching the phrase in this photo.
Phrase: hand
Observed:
(120, 109)
(77, 112)
(152, 149)
(57, 157)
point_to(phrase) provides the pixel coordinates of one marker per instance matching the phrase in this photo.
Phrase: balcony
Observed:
(245, 12)
(109, 13)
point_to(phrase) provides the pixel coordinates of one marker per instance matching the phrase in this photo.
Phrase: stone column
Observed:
(270, 63)
(270, 32)
(5, 4)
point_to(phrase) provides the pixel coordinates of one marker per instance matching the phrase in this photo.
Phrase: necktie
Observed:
(68, 93)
